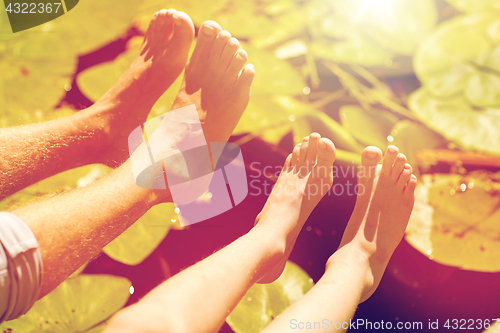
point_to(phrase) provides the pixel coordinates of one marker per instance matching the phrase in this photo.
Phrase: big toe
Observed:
(369, 160)
(326, 152)
(198, 62)
(183, 33)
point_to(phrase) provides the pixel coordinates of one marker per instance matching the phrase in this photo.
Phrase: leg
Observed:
(99, 134)
(73, 227)
(372, 234)
(200, 298)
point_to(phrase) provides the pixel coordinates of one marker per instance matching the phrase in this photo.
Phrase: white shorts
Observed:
(20, 267)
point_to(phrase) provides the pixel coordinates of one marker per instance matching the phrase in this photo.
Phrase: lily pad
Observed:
(455, 220)
(456, 120)
(144, 236)
(78, 305)
(264, 302)
(461, 57)
(410, 137)
(368, 127)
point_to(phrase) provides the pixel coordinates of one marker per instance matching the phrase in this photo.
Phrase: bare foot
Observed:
(217, 81)
(160, 61)
(380, 215)
(305, 179)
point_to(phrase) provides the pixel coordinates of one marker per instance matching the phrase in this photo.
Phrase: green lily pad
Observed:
(456, 120)
(264, 302)
(410, 137)
(273, 75)
(475, 5)
(144, 236)
(455, 220)
(369, 32)
(78, 305)
(461, 57)
(368, 127)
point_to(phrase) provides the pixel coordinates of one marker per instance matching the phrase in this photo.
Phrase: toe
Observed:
(404, 177)
(288, 162)
(326, 153)
(198, 62)
(218, 46)
(389, 158)
(410, 188)
(232, 46)
(183, 35)
(295, 155)
(399, 165)
(369, 160)
(312, 148)
(236, 65)
(246, 77)
(303, 152)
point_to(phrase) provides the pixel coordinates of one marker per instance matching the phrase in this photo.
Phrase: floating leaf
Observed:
(78, 305)
(457, 121)
(142, 237)
(273, 75)
(368, 127)
(462, 57)
(455, 220)
(263, 302)
(410, 137)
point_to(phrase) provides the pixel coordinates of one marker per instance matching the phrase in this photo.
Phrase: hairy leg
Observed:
(199, 298)
(375, 229)
(99, 134)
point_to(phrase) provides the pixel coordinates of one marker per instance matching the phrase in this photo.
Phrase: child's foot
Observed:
(217, 81)
(162, 58)
(381, 213)
(305, 179)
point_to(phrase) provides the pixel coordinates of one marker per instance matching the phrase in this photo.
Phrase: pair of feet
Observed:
(217, 81)
(384, 203)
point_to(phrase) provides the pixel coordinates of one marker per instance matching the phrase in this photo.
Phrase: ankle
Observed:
(273, 240)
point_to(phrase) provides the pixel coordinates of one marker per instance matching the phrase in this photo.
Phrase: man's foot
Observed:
(217, 82)
(383, 207)
(160, 61)
(305, 179)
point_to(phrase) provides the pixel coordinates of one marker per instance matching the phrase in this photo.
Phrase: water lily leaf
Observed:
(455, 220)
(369, 32)
(368, 127)
(63, 181)
(410, 137)
(95, 81)
(460, 57)
(144, 236)
(328, 128)
(77, 305)
(457, 121)
(273, 75)
(263, 302)
(271, 117)
(475, 5)
(82, 30)
(42, 78)
(355, 50)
